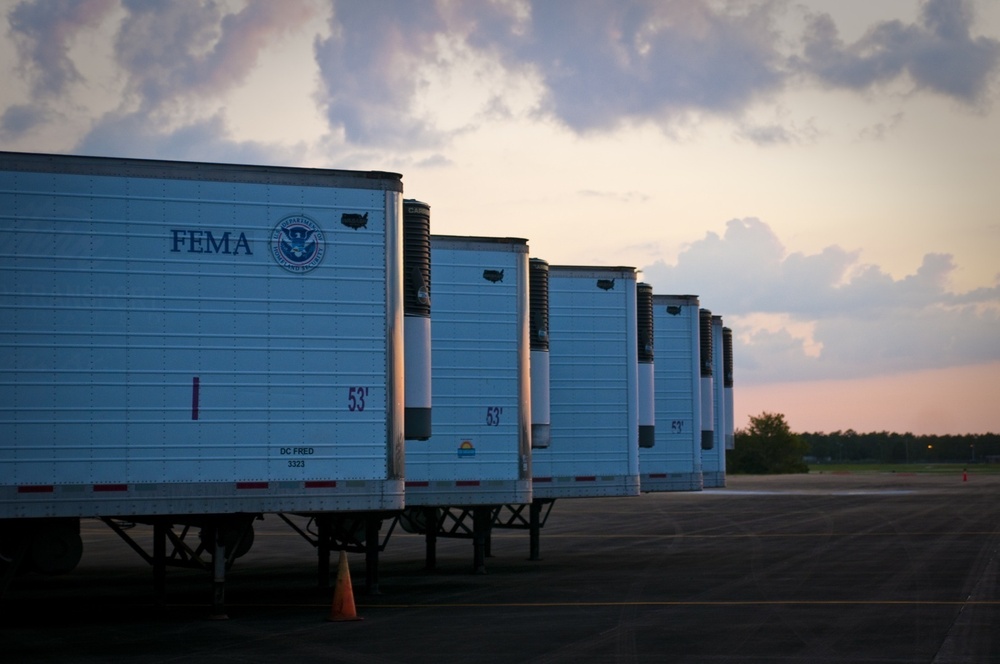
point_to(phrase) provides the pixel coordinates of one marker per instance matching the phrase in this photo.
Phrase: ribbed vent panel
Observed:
(416, 258)
(644, 317)
(538, 295)
(727, 357)
(705, 339)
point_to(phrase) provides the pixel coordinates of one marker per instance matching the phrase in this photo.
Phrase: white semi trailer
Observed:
(594, 389)
(727, 383)
(707, 381)
(196, 344)
(674, 463)
(479, 456)
(588, 379)
(647, 372)
(713, 461)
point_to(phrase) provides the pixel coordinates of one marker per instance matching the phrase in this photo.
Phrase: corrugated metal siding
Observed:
(103, 329)
(594, 380)
(479, 380)
(676, 373)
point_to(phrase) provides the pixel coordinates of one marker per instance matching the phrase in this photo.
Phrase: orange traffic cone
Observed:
(343, 594)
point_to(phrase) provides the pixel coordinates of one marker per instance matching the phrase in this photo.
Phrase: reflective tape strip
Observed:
(321, 484)
(36, 488)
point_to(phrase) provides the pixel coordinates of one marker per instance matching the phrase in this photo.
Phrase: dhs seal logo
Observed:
(297, 244)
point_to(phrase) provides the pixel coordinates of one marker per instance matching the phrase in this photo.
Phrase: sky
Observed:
(823, 174)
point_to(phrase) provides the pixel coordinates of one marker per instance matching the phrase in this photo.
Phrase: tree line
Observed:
(885, 447)
(769, 446)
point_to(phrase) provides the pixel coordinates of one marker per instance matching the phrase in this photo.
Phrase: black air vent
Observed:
(416, 258)
(705, 338)
(727, 357)
(644, 317)
(538, 303)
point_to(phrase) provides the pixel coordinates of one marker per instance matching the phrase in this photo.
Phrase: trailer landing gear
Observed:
(221, 540)
(353, 532)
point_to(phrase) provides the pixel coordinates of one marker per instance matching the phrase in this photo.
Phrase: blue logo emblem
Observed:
(297, 244)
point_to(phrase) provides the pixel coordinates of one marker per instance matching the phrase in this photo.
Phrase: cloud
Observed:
(939, 54)
(140, 135)
(172, 49)
(749, 247)
(771, 134)
(880, 130)
(22, 118)
(600, 63)
(605, 62)
(864, 321)
(591, 66)
(172, 56)
(370, 70)
(435, 161)
(615, 196)
(44, 32)
(779, 132)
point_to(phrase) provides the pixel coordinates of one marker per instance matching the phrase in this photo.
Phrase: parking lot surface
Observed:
(868, 567)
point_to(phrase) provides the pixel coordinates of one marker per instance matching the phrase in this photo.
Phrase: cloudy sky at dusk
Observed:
(824, 174)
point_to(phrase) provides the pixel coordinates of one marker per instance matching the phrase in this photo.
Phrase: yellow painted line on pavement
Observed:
(887, 533)
(664, 603)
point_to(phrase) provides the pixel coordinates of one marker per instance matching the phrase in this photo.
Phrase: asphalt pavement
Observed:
(879, 567)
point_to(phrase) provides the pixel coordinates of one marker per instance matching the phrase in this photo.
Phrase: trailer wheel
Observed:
(240, 538)
(236, 535)
(56, 546)
(413, 520)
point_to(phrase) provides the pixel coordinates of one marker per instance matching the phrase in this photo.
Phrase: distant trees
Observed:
(885, 447)
(767, 446)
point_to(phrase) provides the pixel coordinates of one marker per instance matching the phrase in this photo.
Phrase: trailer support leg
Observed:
(218, 576)
(160, 561)
(534, 530)
(17, 559)
(323, 548)
(488, 545)
(430, 537)
(482, 517)
(373, 523)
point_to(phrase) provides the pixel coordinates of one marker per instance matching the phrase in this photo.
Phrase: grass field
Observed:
(937, 468)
